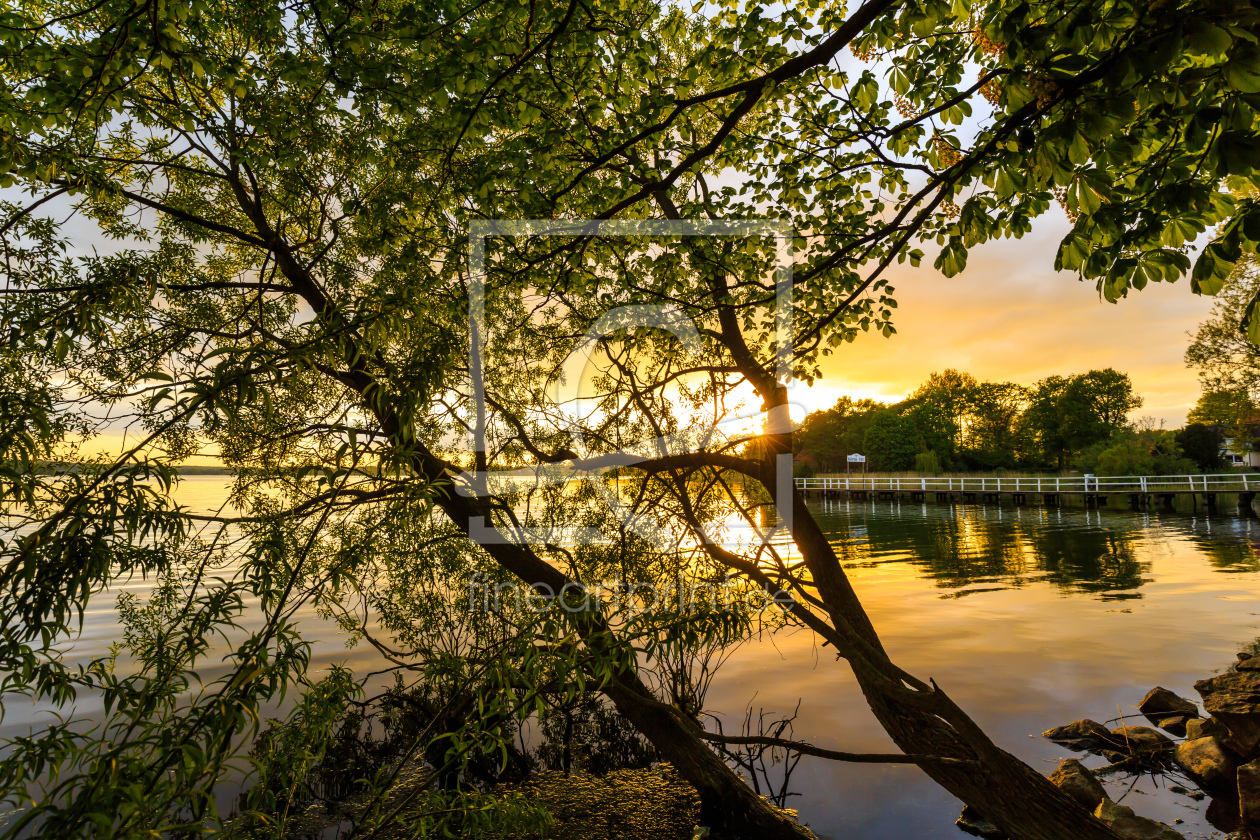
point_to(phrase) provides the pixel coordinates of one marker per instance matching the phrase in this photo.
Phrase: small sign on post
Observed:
(856, 459)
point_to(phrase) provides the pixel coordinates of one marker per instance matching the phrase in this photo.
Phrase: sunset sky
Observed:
(1010, 316)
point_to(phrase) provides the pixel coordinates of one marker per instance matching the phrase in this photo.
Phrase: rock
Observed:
(1251, 664)
(1234, 700)
(1236, 692)
(1197, 796)
(1249, 796)
(1140, 739)
(1206, 761)
(1076, 781)
(1205, 727)
(1160, 702)
(972, 822)
(1222, 813)
(1175, 725)
(1132, 827)
(1081, 735)
(1242, 734)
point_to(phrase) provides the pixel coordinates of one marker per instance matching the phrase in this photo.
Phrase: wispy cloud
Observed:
(1010, 316)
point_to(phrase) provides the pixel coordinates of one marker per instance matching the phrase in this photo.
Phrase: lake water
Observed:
(1029, 618)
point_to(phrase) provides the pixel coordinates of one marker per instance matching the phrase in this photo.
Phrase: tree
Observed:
(1232, 414)
(995, 437)
(1141, 450)
(1223, 409)
(1107, 396)
(1067, 415)
(831, 435)
(951, 392)
(1201, 444)
(892, 441)
(1226, 358)
(290, 192)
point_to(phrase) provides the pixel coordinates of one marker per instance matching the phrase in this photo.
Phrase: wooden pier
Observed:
(1138, 491)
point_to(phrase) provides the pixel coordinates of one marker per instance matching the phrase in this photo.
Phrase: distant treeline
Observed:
(954, 422)
(56, 467)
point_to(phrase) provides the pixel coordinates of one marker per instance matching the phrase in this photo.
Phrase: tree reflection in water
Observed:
(978, 548)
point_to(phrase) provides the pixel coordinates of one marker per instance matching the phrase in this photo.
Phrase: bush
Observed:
(986, 460)
(928, 463)
(1202, 445)
(1136, 452)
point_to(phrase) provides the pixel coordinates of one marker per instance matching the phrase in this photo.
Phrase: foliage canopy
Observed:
(287, 192)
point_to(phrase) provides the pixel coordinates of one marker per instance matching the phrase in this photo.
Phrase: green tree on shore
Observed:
(829, 436)
(1202, 444)
(1065, 415)
(892, 441)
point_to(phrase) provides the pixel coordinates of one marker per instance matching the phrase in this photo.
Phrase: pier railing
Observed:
(1222, 483)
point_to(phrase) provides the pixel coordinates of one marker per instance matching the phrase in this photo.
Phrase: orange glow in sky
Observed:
(1010, 316)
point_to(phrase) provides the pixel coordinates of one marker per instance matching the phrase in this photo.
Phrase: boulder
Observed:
(972, 822)
(1176, 725)
(1081, 735)
(1234, 699)
(1242, 734)
(1222, 813)
(1159, 702)
(1204, 727)
(1235, 692)
(1207, 762)
(1140, 739)
(1252, 664)
(1132, 827)
(1076, 781)
(1249, 796)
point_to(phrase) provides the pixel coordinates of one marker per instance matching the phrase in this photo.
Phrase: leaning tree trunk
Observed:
(728, 806)
(922, 720)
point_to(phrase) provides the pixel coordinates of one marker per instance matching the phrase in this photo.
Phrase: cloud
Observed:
(1010, 316)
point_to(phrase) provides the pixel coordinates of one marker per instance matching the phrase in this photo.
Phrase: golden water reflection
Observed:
(1028, 618)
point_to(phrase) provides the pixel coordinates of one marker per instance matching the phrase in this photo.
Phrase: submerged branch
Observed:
(834, 755)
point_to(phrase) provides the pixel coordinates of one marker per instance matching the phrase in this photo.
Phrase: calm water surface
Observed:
(1028, 618)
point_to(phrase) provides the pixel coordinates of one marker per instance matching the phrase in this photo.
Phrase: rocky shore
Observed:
(1216, 748)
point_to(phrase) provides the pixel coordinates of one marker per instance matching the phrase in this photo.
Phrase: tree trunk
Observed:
(728, 806)
(922, 720)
